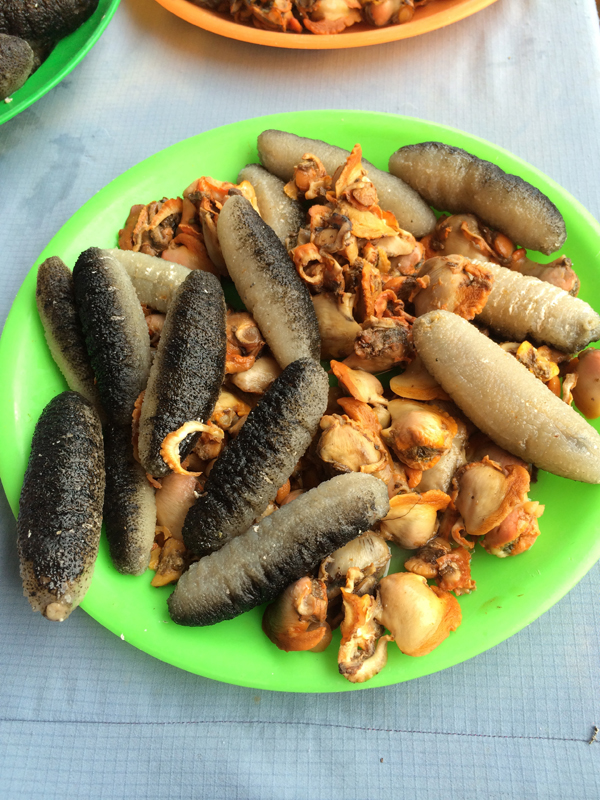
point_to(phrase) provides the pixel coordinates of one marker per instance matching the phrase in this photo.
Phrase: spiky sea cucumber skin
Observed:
(129, 504)
(154, 279)
(505, 400)
(521, 306)
(451, 179)
(280, 151)
(258, 565)
(115, 331)
(278, 210)
(60, 509)
(188, 370)
(44, 21)
(268, 283)
(246, 477)
(55, 298)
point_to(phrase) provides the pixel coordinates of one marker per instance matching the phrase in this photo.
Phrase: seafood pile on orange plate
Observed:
(320, 17)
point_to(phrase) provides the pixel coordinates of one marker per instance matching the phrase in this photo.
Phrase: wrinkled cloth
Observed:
(85, 714)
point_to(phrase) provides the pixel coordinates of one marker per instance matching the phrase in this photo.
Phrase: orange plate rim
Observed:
(429, 18)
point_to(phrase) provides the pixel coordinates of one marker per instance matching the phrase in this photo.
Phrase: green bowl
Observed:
(64, 58)
(511, 592)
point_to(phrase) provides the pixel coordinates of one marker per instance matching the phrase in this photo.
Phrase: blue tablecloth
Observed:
(82, 713)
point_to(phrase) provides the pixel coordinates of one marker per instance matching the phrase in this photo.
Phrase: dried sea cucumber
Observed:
(505, 400)
(154, 279)
(188, 368)
(450, 179)
(246, 477)
(258, 565)
(55, 297)
(60, 510)
(278, 210)
(115, 331)
(129, 504)
(521, 305)
(268, 283)
(280, 152)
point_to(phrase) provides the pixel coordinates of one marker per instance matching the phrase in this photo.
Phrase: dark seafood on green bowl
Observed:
(29, 30)
(234, 468)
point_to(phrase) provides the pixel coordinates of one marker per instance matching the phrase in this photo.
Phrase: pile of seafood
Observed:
(29, 31)
(205, 433)
(320, 17)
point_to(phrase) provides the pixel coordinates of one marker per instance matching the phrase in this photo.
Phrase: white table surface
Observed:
(85, 715)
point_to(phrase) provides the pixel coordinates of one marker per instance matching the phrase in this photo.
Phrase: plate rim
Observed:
(16, 107)
(575, 574)
(218, 23)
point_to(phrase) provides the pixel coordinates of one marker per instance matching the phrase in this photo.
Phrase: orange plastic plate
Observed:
(429, 18)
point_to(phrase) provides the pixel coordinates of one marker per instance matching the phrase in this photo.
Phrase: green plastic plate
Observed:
(64, 58)
(511, 592)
